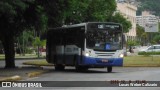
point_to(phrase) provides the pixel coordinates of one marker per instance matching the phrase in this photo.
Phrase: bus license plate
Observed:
(105, 61)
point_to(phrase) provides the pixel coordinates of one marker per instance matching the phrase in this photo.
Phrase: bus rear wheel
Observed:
(109, 69)
(59, 67)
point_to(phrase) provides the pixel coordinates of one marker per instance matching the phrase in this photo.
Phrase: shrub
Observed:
(29, 51)
(148, 53)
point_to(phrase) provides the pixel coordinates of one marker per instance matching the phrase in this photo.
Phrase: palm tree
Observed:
(39, 43)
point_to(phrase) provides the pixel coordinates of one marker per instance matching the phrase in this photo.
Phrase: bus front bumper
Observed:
(102, 62)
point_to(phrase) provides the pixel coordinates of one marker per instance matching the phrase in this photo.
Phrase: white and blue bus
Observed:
(86, 45)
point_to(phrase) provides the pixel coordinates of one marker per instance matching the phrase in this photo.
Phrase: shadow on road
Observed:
(75, 71)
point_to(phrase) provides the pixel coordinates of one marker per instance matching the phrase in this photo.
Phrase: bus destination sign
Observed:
(104, 26)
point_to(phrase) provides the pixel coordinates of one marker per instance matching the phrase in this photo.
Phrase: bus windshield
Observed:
(103, 40)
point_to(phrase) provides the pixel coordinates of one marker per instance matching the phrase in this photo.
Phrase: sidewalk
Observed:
(20, 73)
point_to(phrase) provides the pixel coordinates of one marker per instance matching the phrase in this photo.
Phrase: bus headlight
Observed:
(87, 54)
(121, 55)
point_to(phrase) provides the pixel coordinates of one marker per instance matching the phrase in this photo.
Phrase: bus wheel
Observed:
(109, 69)
(59, 67)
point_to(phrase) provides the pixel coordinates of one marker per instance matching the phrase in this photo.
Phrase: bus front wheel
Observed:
(59, 67)
(109, 69)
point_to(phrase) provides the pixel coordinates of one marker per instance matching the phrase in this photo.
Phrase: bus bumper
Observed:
(102, 62)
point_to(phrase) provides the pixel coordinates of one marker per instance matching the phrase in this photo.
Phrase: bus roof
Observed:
(82, 24)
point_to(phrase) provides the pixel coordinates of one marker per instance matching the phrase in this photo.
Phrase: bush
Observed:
(149, 53)
(29, 51)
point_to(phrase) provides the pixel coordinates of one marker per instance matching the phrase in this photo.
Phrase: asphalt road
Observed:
(119, 73)
(17, 62)
(101, 74)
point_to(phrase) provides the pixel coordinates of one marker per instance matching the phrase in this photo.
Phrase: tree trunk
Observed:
(8, 44)
(38, 51)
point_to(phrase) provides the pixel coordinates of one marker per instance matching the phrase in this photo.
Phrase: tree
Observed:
(141, 34)
(118, 18)
(66, 12)
(23, 41)
(39, 43)
(144, 37)
(156, 39)
(139, 30)
(149, 5)
(131, 43)
(15, 17)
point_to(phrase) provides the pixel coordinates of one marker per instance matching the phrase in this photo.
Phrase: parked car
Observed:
(152, 48)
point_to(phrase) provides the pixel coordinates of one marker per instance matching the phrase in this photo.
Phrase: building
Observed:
(145, 18)
(129, 11)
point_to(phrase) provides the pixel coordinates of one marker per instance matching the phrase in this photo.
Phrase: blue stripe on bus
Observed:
(99, 61)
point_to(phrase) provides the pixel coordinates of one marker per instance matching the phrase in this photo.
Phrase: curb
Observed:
(26, 63)
(13, 78)
(35, 73)
(17, 77)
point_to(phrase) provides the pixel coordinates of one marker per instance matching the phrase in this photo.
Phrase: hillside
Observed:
(150, 5)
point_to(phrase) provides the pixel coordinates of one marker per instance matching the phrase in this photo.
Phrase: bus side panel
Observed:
(59, 58)
(49, 48)
(55, 49)
(71, 54)
(70, 60)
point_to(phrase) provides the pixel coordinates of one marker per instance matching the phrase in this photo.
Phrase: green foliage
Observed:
(77, 11)
(156, 38)
(24, 41)
(141, 34)
(143, 37)
(131, 43)
(11, 16)
(38, 42)
(29, 51)
(42, 20)
(148, 53)
(100, 10)
(139, 30)
(118, 18)
(17, 16)
(159, 26)
(149, 5)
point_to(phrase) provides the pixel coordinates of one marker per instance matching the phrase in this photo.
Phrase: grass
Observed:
(2, 56)
(142, 61)
(128, 61)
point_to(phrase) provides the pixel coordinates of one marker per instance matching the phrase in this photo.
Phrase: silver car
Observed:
(152, 48)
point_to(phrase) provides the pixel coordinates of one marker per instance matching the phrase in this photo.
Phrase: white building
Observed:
(129, 11)
(146, 18)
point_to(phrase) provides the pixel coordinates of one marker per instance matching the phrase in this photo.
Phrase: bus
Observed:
(86, 45)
